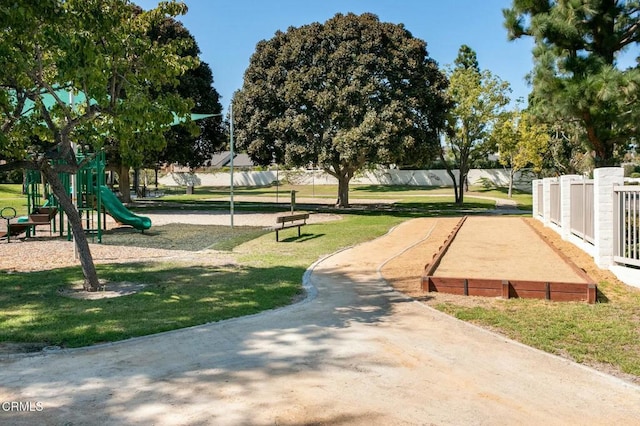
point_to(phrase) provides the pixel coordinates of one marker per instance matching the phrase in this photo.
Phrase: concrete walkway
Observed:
(354, 352)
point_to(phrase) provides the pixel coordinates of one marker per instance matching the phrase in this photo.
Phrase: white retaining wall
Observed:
(497, 177)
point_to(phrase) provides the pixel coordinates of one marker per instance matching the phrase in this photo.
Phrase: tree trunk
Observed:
(603, 149)
(460, 197)
(452, 176)
(91, 282)
(343, 175)
(124, 183)
(343, 191)
(511, 175)
(464, 173)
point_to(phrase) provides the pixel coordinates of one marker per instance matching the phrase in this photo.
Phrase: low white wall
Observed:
(496, 177)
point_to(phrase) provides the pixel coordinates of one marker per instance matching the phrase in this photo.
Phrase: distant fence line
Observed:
(490, 177)
(599, 215)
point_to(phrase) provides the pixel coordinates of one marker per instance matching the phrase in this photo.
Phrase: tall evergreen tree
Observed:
(576, 75)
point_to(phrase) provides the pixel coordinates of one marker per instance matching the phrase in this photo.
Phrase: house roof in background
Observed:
(223, 159)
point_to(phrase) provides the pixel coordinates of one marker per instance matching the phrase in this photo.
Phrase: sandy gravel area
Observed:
(159, 218)
(404, 271)
(503, 248)
(43, 253)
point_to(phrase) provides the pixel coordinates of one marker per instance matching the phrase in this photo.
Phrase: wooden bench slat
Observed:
(290, 221)
(292, 217)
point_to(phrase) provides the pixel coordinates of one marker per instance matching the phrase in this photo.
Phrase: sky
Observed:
(227, 32)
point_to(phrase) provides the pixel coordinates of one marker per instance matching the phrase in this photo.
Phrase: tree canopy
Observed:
(577, 77)
(478, 98)
(99, 51)
(521, 142)
(191, 143)
(344, 95)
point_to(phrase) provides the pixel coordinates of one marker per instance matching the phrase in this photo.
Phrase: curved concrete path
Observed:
(356, 352)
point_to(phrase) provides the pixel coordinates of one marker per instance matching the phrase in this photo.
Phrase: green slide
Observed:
(119, 212)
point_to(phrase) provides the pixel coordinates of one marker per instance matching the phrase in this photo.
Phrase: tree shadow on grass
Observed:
(601, 297)
(173, 297)
(180, 236)
(391, 188)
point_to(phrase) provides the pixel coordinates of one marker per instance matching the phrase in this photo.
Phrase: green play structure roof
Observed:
(80, 98)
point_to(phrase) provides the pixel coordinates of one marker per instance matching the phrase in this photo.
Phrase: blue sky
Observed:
(228, 31)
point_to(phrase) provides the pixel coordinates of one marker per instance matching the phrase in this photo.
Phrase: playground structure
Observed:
(93, 199)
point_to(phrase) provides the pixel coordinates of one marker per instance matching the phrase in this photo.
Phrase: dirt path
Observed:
(354, 352)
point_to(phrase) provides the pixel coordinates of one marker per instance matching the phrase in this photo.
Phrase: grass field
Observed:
(11, 196)
(402, 194)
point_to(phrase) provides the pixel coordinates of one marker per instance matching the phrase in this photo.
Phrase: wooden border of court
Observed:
(548, 290)
(431, 267)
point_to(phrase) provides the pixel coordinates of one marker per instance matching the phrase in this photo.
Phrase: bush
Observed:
(12, 176)
(487, 183)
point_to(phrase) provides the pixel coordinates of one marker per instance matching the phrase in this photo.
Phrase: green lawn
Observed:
(11, 196)
(400, 194)
(176, 295)
(212, 197)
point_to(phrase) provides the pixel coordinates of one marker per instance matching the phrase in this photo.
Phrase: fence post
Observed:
(565, 204)
(546, 200)
(534, 193)
(604, 179)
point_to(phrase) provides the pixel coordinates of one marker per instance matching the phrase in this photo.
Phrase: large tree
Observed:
(189, 143)
(576, 76)
(183, 147)
(344, 95)
(478, 99)
(97, 51)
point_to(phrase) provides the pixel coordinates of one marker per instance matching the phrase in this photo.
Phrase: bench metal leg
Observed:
(287, 227)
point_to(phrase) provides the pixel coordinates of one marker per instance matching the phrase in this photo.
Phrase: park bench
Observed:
(290, 221)
(41, 217)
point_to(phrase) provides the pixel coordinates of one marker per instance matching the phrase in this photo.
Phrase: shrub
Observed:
(12, 176)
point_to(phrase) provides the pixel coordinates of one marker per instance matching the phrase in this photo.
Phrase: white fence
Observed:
(601, 216)
(495, 177)
(627, 223)
(581, 221)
